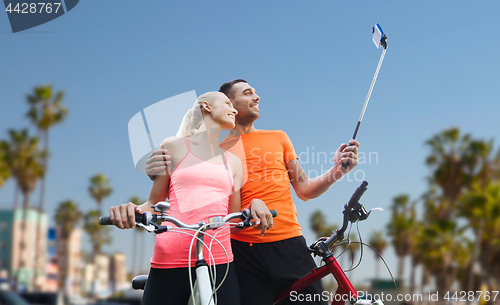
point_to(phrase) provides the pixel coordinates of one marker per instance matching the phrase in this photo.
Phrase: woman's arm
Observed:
(235, 198)
(260, 213)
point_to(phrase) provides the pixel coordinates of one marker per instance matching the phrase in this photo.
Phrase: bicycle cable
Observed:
(213, 273)
(210, 259)
(190, 253)
(343, 242)
(385, 263)
(361, 250)
(227, 264)
(348, 241)
(189, 258)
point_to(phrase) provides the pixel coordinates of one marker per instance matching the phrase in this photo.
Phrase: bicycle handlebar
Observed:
(146, 218)
(106, 221)
(353, 211)
(354, 201)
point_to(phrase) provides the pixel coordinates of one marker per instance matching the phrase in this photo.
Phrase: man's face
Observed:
(246, 101)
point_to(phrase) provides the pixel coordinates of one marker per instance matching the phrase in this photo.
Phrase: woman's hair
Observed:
(193, 119)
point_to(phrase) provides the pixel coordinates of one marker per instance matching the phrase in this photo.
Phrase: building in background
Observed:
(69, 261)
(102, 278)
(88, 279)
(118, 273)
(16, 260)
(52, 272)
(52, 269)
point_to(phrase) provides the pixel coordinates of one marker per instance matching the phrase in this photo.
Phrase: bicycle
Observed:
(353, 213)
(202, 292)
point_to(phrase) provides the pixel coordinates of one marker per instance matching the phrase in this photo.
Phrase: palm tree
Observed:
(317, 223)
(416, 254)
(45, 111)
(482, 210)
(99, 235)
(443, 247)
(400, 229)
(5, 171)
(135, 200)
(99, 188)
(4, 165)
(460, 165)
(24, 158)
(378, 242)
(67, 217)
(456, 162)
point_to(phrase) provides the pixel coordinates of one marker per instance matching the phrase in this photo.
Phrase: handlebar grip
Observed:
(140, 218)
(357, 195)
(248, 214)
(105, 221)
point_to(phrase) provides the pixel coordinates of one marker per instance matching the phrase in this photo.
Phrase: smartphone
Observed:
(379, 38)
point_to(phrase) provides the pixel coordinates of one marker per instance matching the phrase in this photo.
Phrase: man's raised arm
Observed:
(309, 188)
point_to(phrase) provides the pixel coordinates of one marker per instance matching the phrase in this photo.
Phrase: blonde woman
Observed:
(201, 180)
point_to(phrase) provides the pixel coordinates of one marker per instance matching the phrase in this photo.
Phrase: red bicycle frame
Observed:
(345, 291)
(353, 212)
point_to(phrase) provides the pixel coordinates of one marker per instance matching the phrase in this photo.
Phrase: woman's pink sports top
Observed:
(198, 189)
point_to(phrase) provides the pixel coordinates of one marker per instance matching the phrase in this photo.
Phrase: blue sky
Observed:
(311, 63)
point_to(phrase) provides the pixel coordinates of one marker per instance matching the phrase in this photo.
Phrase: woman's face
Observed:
(223, 112)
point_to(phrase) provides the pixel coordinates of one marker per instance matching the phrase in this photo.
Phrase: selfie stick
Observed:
(380, 40)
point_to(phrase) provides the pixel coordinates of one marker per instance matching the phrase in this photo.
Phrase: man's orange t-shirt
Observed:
(265, 154)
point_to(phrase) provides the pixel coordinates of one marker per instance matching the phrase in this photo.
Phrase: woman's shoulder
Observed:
(174, 145)
(234, 161)
(171, 141)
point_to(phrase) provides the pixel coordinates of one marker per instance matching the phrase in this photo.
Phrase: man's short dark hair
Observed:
(227, 86)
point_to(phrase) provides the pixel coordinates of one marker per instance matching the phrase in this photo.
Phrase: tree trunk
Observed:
(412, 275)
(38, 240)
(445, 276)
(475, 252)
(16, 197)
(134, 253)
(22, 248)
(401, 267)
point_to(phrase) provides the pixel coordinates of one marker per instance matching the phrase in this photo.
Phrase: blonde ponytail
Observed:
(193, 119)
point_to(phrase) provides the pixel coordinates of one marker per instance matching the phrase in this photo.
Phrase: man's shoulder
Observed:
(272, 132)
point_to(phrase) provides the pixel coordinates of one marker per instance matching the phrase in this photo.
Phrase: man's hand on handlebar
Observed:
(157, 163)
(123, 216)
(261, 216)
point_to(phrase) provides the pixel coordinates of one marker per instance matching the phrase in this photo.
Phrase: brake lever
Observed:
(149, 228)
(247, 223)
(366, 214)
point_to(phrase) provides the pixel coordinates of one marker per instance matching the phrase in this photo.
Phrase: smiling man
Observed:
(267, 264)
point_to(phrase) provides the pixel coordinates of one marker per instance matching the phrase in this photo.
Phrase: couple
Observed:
(264, 264)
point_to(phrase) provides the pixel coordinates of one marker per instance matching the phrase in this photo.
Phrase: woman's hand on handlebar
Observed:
(123, 216)
(261, 215)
